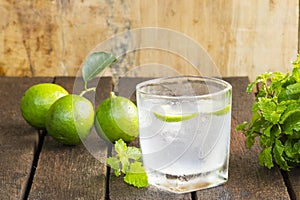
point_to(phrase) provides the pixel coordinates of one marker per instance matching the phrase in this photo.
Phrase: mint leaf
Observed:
(114, 164)
(128, 161)
(296, 72)
(269, 109)
(291, 107)
(292, 149)
(134, 153)
(241, 126)
(293, 89)
(278, 155)
(136, 176)
(265, 158)
(292, 123)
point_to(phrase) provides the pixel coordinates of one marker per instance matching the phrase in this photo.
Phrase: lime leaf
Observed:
(95, 63)
(174, 118)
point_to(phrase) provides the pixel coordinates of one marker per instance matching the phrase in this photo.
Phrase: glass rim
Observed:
(227, 87)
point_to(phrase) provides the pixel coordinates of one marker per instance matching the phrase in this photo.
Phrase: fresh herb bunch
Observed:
(128, 160)
(276, 118)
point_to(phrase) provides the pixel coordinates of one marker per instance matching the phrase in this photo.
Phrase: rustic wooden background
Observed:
(53, 37)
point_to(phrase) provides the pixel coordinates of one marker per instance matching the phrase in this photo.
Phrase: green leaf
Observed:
(293, 89)
(265, 158)
(268, 109)
(277, 81)
(267, 131)
(296, 72)
(120, 147)
(278, 155)
(136, 176)
(96, 63)
(292, 148)
(250, 139)
(276, 130)
(134, 153)
(292, 123)
(268, 136)
(295, 135)
(241, 126)
(250, 86)
(114, 163)
(291, 108)
(127, 161)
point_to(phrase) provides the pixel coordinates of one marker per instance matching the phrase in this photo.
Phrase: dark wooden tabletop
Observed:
(34, 166)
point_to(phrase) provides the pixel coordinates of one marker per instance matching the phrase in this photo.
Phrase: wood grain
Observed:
(243, 38)
(294, 182)
(73, 172)
(18, 140)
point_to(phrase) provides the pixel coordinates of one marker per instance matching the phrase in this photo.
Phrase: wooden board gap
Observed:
(41, 137)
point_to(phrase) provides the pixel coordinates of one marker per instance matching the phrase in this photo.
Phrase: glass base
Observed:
(187, 183)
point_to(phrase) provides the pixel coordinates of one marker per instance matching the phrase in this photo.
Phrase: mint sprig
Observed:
(128, 160)
(276, 118)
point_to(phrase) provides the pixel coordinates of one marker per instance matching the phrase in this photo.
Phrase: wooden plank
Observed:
(75, 172)
(37, 37)
(118, 189)
(18, 140)
(293, 182)
(247, 179)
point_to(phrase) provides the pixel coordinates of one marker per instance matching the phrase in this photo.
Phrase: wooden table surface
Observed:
(34, 166)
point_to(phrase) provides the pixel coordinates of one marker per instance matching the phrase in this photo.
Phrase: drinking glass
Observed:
(184, 131)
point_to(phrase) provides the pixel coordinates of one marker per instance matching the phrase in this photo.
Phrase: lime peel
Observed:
(178, 118)
(222, 111)
(174, 118)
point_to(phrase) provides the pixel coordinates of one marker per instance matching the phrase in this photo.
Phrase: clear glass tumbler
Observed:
(184, 127)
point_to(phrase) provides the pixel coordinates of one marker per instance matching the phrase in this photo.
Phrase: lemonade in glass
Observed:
(184, 127)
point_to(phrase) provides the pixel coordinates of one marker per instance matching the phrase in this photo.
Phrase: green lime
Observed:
(37, 100)
(70, 119)
(117, 118)
(174, 118)
(222, 111)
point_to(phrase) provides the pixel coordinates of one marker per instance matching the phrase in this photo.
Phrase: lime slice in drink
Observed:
(222, 111)
(174, 118)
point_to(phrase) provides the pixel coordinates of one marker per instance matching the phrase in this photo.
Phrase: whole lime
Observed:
(37, 100)
(70, 119)
(117, 118)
